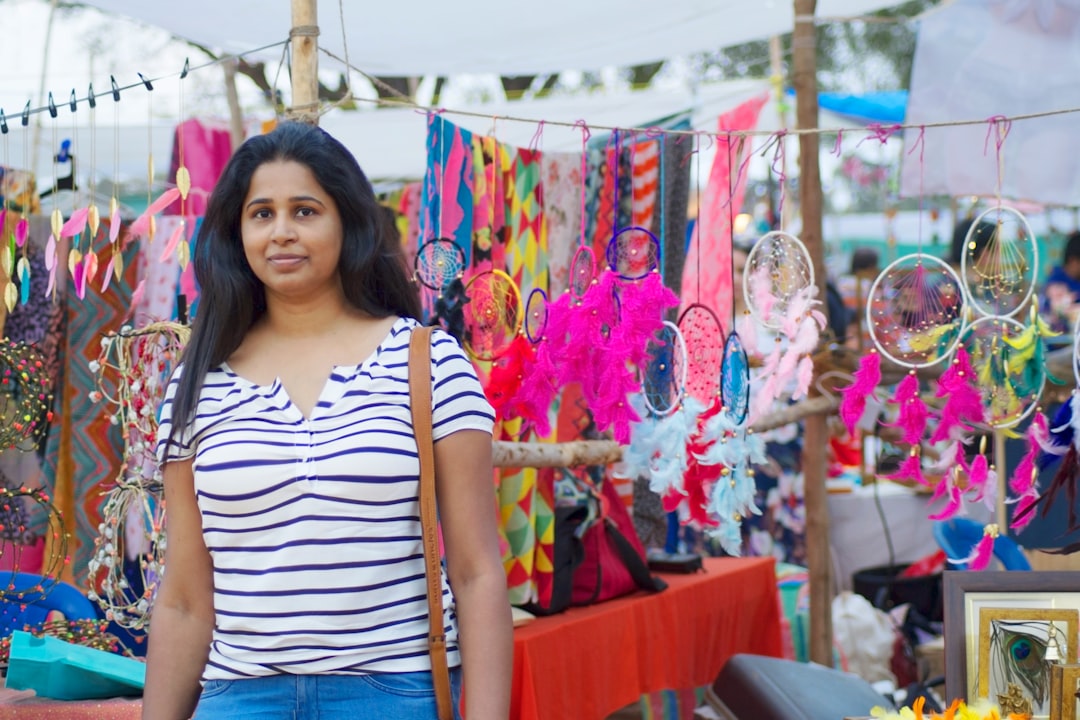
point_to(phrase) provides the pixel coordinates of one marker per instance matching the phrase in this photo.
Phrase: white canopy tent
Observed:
(421, 37)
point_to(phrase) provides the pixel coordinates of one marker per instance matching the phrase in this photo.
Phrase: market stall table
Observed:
(589, 662)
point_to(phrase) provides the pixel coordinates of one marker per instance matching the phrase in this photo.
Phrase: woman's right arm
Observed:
(183, 614)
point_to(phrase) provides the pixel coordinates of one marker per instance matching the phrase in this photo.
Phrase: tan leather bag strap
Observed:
(420, 402)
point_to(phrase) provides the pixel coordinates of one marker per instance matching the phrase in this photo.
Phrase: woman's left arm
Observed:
(467, 510)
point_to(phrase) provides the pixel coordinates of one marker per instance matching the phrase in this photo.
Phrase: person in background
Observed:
(295, 582)
(1059, 301)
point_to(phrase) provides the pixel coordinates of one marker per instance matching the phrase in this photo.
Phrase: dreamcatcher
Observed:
(914, 316)
(439, 266)
(704, 337)
(493, 314)
(669, 416)
(132, 372)
(999, 262)
(780, 292)
(1048, 443)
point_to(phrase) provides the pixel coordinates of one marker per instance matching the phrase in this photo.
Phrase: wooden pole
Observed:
(304, 36)
(815, 435)
(236, 116)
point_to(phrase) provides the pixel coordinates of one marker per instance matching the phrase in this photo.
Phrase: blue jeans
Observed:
(401, 696)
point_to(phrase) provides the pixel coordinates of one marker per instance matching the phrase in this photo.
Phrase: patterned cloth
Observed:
(708, 267)
(83, 451)
(562, 213)
(159, 276)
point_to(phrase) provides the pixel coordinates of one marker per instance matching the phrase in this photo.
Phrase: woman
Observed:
(295, 579)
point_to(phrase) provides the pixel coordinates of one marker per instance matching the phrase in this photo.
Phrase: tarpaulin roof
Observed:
(424, 37)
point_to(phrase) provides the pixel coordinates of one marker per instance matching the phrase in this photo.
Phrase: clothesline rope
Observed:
(874, 130)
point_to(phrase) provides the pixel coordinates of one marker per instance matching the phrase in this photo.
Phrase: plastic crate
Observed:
(60, 670)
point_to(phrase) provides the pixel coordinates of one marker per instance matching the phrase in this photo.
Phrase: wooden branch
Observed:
(603, 452)
(568, 454)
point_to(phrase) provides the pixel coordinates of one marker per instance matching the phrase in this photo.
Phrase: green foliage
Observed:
(853, 55)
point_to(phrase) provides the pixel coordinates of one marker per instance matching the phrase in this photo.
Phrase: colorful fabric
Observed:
(447, 195)
(707, 274)
(188, 287)
(645, 170)
(18, 191)
(83, 450)
(159, 276)
(561, 174)
(206, 148)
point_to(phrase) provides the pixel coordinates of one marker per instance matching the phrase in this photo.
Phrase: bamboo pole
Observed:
(304, 36)
(815, 433)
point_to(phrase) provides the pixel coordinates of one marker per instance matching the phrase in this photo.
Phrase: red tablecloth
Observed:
(588, 662)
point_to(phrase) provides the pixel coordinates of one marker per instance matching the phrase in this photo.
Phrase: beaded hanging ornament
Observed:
(25, 396)
(132, 372)
(18, 507)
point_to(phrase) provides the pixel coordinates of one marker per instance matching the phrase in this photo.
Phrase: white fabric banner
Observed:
(977, 59)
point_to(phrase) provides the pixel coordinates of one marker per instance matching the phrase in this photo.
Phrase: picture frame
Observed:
(1064, 683)
(1004, 632)
(967, 593)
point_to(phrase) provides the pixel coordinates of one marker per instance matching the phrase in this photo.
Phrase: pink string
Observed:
(880, 132)
(537, 137)
(920, 143)
(993, 123)
(585, 135)
(839, 144)
(778, 164)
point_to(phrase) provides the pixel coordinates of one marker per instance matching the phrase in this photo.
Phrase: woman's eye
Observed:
(261, 214)
(305, 212)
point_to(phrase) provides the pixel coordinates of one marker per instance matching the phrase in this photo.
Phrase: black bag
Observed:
(569, 552)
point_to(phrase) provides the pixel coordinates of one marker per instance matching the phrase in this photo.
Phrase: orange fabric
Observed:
(588, 662)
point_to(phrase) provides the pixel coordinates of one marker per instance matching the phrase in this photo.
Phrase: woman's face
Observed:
(291, 231)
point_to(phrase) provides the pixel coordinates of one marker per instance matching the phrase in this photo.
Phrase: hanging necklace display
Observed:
(131, 375)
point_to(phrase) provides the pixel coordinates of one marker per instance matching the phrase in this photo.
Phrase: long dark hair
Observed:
(232, 298)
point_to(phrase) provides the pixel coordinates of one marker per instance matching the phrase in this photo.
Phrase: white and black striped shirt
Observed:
(313, 524)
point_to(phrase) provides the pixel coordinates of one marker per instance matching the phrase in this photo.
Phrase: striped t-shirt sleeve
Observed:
(458, 401)
(180, 447)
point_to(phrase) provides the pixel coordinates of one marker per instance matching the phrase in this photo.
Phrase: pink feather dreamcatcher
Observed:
(781, 295)
(914, 314)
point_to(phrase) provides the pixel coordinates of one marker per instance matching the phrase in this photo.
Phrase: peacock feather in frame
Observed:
(1013, 650)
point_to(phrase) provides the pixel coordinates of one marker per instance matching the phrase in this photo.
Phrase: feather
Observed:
(1024, 512)
(952, 507)
(785, 369)
(910, 469)
(803, 377)
(761, 297)
(747, 329)
(76, 223)
(174, 240)
(143, 224)
(114, 226)
(977, 476)
(806, 340)
(796, 312)
(912, 411)
(22, 231)
(866, 379)
(984, 549)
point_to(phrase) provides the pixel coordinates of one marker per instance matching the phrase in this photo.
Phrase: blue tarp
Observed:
(875, 107)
